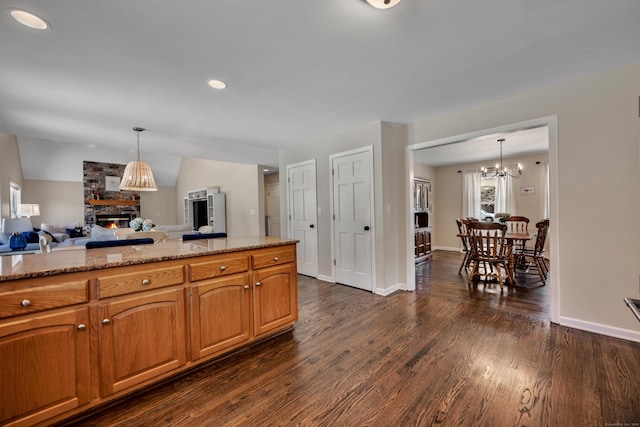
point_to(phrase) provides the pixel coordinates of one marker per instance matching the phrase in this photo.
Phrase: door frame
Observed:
(552, 125)
(367, 149)
(288, 214)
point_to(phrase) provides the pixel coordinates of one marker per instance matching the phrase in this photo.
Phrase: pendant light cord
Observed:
(138, 130)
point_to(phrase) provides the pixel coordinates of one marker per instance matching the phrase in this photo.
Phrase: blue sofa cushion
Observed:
(202, 236)
(111, 243)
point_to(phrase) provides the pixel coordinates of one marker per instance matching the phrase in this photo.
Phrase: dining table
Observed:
(513, 239)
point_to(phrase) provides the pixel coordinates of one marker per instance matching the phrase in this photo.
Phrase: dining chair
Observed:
(518, 224)
(535, 256)
(489, 247)
(464, 239)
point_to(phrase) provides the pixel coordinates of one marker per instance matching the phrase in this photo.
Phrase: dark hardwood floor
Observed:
(444, 355)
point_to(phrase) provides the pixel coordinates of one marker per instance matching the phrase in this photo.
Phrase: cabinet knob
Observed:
(246, 287)
(25, 303)
(275, 259)
(106, 321)
(82, 327)
(223, 268)
(258, 284)
(146, 281)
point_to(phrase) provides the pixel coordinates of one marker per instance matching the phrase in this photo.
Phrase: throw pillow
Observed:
(100, 234)
(74, 232)
(31, 236)
(53, 238)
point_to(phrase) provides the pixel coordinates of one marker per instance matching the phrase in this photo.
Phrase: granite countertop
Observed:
(70, 261)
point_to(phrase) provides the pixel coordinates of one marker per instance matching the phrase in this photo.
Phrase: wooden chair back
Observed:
(541, 236)
(517, 224)
(487, 241)
(462, 232)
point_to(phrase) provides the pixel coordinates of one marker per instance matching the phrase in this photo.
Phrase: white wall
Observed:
(10, 170)
(597, 188)
(241, 183)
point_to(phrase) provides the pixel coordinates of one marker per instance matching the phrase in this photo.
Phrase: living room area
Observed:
(71, 199)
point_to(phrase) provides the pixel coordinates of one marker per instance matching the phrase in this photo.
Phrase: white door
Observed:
(273, 209)
(303, 217)
(352, 218)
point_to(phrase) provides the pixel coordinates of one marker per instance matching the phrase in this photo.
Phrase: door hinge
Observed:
(288, 179)
(334, 261)
(333, 171)
(334, 217)
(289, 217)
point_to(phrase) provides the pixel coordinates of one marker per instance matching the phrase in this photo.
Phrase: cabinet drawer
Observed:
(126, 283)
(220, 266)
(271, 257)
(31, 300)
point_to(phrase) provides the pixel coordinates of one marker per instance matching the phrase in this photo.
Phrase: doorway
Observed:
(302, 207)
(352, 219)
(273, 209)
(550, 123)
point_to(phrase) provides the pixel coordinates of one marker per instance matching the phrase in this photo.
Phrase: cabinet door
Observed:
(140, 338)
(221, 314)
(275, 298)
(45, 363)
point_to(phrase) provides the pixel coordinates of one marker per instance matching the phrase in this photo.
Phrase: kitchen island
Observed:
(81, 328)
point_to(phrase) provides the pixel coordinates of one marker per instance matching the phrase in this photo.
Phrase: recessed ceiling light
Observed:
(29, 19)
(383, 4)
(217, 84)
(265, 170)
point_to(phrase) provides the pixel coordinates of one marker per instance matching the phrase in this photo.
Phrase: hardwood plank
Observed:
(445, 354)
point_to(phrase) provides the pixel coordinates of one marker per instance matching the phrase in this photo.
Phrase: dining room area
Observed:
(489, 217)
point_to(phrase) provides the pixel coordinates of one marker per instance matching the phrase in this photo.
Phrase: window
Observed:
(15, 195)
(487, 198)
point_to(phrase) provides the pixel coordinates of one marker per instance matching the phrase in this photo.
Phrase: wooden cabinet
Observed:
(422, 245)
(220, 315)
(72, 341)
(275, 297)
(140, 338)
(46, 369)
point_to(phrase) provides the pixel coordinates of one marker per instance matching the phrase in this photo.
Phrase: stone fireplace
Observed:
(102, 200)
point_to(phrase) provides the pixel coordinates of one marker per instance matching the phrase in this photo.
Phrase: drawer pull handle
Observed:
(223, 268)
(275, 259)
(106, 321)
(25, 303)
(246, 286)
(82, 327)
(258, 284)
(146, 281)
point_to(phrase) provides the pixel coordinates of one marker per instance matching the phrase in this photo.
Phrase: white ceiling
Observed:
(486, 147)
(298, 70)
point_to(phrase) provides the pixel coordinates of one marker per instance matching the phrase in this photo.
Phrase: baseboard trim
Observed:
(598, 328)
(388, 291)
(326, 278)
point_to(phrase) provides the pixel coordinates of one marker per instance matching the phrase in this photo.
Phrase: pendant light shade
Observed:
(137, 175)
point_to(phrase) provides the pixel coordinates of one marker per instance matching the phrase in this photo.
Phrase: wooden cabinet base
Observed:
(126, 328)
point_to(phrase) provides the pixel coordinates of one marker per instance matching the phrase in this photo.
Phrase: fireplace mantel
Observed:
(96, 202)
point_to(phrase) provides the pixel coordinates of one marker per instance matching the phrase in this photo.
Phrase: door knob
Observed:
(311, 226)
(366, 228)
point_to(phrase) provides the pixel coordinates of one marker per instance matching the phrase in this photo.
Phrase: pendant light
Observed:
(137, 175)
(383, 4)
(501, 171)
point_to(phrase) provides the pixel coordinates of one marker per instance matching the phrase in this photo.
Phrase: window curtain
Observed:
(545, 191)
(471, 193)
(505, 195)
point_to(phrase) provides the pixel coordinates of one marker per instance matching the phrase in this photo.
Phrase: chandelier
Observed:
(137, 175)
(500, 171)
